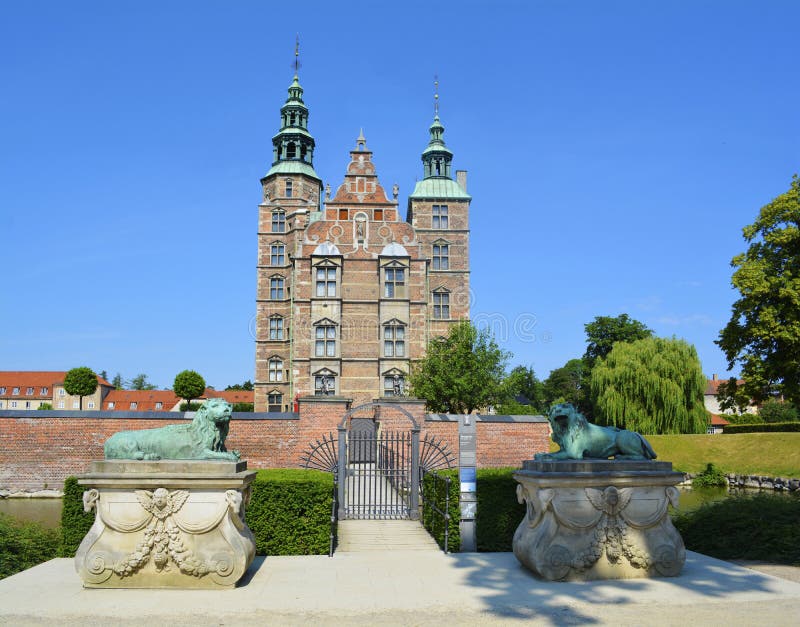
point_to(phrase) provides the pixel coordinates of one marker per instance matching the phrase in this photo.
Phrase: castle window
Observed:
(289, 182)
(292, 118)
(441, 256)
(325, 341)
(291, 150)
(61, 404)
(110, 404)
(275, 370)
(15, 391)
(276, 328)
(276, 284)
(394, 283)
(62, 392)
(440, 218)
(394, 385)
(277, 254)
(159, 405)
(326, 282)
(441, 305)
(134, 406)
(75, 405)
(45, 391)
(394, 340)
(2, 390)
(91, 405)
(278, 222)
(27, 404)
(29, 392)
(274, 401)
(13, 404)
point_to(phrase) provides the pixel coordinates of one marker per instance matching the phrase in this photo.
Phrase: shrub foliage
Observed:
(75, 523)
(23, 545)
(762, 527)
(290, 512)
(770, 427)
(499, 514)
(434, 492)
(710, 477)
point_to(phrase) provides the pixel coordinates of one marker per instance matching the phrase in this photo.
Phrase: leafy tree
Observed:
(604, 331)
(118, 381)
(732, 396)
(80, 382)
(462, 372)
(763, 334)
(653, 386)
(103, 375)
(774, 410)
(45, 407)
(247, 386)
(512, 407)
(566, 385)
(522, 381)
(188, 385)
(140, 382)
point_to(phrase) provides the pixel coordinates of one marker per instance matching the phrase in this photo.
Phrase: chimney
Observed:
(461, 179)
(713, 377)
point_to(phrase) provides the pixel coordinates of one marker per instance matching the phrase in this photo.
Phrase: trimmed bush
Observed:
(434, 492)
(762, 527)
(290, 512)
(499, 514)
(75, 523)
(710, 477)
(23, 545)
(781, 427)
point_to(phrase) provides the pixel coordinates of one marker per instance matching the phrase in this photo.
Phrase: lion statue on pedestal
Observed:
(580, 439)
(203, 438)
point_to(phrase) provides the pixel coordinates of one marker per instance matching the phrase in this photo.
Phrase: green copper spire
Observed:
(293, 146)
(437, 181)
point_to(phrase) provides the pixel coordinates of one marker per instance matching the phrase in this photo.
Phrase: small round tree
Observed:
(80, 382)
(188, 385)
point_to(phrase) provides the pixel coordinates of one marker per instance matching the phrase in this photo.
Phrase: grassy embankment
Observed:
(768, 454)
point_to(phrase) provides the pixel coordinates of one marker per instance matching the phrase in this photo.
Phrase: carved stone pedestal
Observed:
(598, 519)
(166, 524)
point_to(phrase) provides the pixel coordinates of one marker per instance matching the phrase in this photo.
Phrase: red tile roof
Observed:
(145, 400)
(36, 379)
(232, 396)
(718, 421)
(712, 385)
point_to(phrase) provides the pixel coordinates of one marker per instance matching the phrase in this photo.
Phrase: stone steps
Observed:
(360, 536)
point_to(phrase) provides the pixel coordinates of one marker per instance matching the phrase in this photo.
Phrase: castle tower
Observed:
(438, 209)
(291, 195)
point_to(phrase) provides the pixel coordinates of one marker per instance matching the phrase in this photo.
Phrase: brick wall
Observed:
(39, 450)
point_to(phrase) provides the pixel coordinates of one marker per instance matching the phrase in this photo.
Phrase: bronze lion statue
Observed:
(580, 439)
(203, 438)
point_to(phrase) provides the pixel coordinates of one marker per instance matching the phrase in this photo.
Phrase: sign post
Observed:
(467, 476)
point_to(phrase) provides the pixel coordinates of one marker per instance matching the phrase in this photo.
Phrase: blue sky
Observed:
(615, 150)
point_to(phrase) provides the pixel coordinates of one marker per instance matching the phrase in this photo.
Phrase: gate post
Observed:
(413, 505)
(342, 469)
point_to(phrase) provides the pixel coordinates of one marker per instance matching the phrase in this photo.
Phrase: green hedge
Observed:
(761, 527)
(75, 523)
(290, 512)
(23, 545)
(499, 514)
(434, 492)
(762, 428)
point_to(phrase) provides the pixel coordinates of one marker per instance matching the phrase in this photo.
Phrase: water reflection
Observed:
(44, 511)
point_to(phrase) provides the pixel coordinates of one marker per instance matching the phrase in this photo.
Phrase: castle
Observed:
(349, 293)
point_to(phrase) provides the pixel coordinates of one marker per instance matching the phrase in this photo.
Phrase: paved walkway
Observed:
(356, 536)
(410, 588)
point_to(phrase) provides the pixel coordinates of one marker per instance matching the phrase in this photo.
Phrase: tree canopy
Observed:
(462, 372)
(188, 385)
(763, 334)
(246, 386)
(80, 382)
(653, 386)
(566, 385)
(524, 392)
(140, 382)
(604, 331)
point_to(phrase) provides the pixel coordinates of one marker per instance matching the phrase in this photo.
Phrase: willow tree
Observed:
(654, 385)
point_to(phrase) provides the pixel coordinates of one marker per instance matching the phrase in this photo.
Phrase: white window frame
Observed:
(276, 327)
(440, 218)
(275, 370)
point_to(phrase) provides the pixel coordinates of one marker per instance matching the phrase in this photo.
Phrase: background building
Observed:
(348, 292)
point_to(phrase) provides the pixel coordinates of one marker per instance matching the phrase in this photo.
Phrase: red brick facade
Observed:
(39, 452)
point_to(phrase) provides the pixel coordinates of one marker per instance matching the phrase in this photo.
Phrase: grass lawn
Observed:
(770, 454)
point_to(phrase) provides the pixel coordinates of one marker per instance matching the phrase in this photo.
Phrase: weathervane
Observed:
(296, 62)
(436, 94)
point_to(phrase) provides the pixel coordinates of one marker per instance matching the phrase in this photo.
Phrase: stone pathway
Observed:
(357, 536)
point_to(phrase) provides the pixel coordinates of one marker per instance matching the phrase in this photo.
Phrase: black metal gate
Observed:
(379, 471)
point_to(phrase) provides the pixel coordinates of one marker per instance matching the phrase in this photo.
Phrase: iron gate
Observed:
(379, 475)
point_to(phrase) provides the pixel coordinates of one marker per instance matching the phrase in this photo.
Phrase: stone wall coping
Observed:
(141, 415)
(528, 418)
(325, 399)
